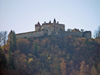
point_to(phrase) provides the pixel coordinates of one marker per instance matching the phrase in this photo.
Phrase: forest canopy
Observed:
(50, 55)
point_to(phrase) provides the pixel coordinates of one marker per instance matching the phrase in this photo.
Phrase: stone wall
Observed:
(50, 27)
(77, 34)
(30, 34)
(37, 28)
(86, 34)
(60, 27)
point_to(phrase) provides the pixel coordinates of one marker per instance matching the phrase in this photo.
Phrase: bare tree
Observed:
(97, 33)
(0, 38)
(69, 30)
(3, 38)
(82, 30)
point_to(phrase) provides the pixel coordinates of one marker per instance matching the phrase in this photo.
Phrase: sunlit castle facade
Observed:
(50, 27)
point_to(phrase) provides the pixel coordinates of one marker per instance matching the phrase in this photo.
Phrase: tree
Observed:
(2, 60)
(63, 66)
(35, 48)
(56, 66)
(97, 33)
(93, 71)
(44, 72)
(10, 60)
(12, 41)
(23, 45)
(3, 38)
(99, 67)
(20, 61)
(82, 30)
(69, 30)
(84, 70)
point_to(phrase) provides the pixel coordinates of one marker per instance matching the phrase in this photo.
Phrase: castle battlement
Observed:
(48, 29)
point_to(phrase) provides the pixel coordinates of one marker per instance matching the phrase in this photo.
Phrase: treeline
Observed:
(50, 56)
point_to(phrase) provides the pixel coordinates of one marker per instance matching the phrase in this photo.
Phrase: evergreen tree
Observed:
(83, 69)
(93, 70)
(35, 48)
(10, 60)
(12, 49)
(2, 60)
(13, 41)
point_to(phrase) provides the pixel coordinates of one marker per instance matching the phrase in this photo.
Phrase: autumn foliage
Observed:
(54, 56)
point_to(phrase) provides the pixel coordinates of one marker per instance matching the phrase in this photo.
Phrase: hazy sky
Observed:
(22, 15)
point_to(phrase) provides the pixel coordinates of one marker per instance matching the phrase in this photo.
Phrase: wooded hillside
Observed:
(51, 56)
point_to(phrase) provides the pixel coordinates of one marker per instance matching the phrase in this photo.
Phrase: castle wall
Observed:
(46, 26)
(30, 34)
(60, 27)
(49, 32)
(37, 28)
(77, 34)
(87, 34)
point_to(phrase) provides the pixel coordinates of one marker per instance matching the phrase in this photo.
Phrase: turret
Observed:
(54, 21)
(37, 27)
(10, 36)
(49, 22)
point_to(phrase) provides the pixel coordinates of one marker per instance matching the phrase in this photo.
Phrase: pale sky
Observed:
(22, 15)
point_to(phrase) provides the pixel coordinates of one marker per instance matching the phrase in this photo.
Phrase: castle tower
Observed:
(87, 34)
(10, 36)
(37, 27)
(54, 22)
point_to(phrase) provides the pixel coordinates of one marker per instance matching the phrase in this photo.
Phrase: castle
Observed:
(49, 29)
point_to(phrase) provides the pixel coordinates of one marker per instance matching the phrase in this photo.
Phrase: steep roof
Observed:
(38, 24)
